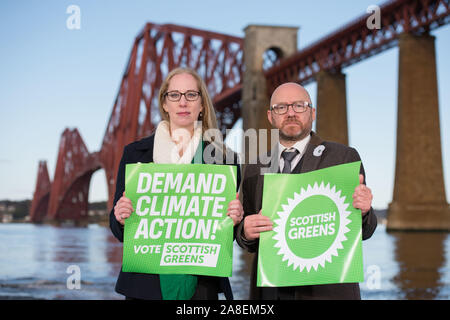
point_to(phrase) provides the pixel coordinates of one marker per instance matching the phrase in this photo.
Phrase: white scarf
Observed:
(165, 150)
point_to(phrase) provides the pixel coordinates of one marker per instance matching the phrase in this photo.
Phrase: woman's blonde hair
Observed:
(208, 113)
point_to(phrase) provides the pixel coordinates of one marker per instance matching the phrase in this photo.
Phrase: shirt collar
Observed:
(299, 145)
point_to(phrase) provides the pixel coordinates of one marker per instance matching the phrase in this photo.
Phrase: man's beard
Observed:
(305, 130)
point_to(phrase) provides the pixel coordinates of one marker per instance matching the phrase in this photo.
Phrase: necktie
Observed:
(288, 156)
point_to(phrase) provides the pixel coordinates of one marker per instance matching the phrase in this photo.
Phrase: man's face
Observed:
(293, 126)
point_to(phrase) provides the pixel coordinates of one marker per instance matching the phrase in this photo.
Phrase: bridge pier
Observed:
(419, 201)
(71, 204)
(331, 107)
(255, 98)
(41, 196)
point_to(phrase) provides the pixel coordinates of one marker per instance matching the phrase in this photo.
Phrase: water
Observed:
(34, 262)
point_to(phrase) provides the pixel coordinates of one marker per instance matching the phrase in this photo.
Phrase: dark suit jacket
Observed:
(252, 189)
(141, 285)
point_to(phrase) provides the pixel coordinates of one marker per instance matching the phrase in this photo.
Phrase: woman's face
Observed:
(183, 113)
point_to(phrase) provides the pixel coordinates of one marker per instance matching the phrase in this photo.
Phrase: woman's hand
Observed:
(123, 209)
(235, 210)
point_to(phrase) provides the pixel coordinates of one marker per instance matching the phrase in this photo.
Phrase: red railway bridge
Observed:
(240, 81)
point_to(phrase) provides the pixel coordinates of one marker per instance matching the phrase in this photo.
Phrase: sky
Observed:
(53, 77)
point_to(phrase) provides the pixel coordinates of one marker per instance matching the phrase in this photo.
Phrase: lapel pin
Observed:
(318, 150)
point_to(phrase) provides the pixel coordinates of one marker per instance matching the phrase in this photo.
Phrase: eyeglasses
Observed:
(298, 107)
(175, 96)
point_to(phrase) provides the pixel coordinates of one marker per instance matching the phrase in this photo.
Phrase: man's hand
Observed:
(362, 197)
(254, 224)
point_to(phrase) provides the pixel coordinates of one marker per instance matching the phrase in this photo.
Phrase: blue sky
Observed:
(52, 77)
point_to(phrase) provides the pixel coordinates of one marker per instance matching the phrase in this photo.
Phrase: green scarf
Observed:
(180, 286)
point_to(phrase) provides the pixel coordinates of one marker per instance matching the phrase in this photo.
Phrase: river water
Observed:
(36, 262)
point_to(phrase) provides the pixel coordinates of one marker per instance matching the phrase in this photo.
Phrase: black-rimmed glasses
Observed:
(175, 95)
(298, 107)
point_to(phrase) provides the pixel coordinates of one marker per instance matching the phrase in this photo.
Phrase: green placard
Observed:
(316, 237)
(179, 225)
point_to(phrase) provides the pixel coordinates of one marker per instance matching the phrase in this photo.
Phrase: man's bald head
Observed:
(288, 93)
(293, 126)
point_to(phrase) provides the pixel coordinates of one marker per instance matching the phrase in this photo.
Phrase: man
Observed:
(299, 150)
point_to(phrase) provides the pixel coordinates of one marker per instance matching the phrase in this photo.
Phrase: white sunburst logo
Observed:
(332, 250)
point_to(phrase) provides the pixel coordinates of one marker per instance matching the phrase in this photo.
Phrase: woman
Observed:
(183, 100)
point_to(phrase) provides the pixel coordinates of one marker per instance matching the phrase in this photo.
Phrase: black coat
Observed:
(142, 285)
(252, 190)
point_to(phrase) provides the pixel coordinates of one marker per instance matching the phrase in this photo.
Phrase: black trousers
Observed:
(206, 290)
